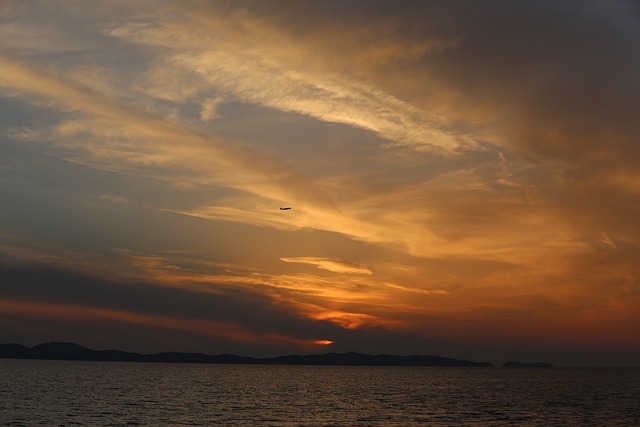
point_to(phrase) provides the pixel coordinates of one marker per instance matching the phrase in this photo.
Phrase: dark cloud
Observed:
(226, 304)
(56, 287)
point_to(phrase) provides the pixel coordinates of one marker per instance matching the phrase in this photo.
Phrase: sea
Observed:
(73, 393)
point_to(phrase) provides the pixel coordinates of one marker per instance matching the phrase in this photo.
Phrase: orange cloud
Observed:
(336, 266)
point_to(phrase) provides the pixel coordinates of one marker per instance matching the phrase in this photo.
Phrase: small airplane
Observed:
(285, 209)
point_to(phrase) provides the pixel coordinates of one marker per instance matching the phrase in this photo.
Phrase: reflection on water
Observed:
(54, 393)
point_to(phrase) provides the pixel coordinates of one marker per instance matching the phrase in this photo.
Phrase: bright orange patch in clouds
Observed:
(345, 320)
(352, 321)
(323, 342)
(304, 343)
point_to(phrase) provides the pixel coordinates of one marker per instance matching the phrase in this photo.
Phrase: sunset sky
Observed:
(463, 177)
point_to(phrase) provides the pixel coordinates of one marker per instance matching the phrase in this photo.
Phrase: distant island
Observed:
(71, 351)
(527, 365)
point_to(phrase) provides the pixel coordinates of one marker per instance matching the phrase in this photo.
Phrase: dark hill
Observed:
(70, 351)
(15, 351)
(62, 351)
(358, 359)
(527, 365)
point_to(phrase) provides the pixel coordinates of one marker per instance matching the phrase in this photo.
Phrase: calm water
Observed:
(54, 393)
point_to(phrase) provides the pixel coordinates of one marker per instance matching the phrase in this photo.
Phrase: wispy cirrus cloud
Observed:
(121, 136)
(237, 58)
(334, 265)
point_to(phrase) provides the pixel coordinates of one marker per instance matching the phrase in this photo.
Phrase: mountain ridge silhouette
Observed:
(73, 351)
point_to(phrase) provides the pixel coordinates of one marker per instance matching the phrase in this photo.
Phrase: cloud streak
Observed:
(336, 266)
(239, 59)
(146, 139)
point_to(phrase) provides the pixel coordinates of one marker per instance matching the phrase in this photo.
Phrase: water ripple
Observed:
(55, 393)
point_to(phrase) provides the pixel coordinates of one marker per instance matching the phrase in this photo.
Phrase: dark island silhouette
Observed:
(511, 364)
(71, 351)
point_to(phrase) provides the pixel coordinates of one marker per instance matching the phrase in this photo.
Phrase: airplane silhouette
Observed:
(284, 209)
